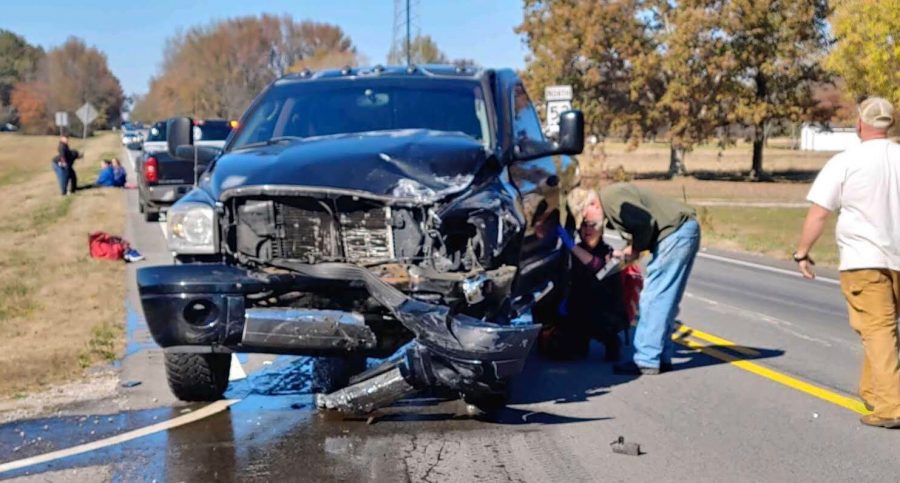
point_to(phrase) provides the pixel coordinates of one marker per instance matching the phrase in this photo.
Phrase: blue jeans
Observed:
(667, 276)
(62, 176)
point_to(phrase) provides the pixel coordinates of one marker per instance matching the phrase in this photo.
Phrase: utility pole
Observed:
(408, 40)
(405, 28)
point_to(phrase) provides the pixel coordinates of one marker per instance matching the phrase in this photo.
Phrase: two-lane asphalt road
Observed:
(763, 390)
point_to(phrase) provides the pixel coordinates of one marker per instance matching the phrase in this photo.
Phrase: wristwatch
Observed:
(806, 257)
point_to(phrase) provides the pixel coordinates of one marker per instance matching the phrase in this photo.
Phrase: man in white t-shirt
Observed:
(863, 185)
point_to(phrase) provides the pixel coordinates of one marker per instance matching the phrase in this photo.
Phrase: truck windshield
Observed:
(306, 109)
(212, 131)
(157, 132)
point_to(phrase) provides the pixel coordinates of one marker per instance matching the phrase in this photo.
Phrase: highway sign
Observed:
(87, 113)
(557, 93)
(62, 119)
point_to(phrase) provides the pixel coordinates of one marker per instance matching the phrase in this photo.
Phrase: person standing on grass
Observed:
(64, 166)
(863, 185)
(669, 230)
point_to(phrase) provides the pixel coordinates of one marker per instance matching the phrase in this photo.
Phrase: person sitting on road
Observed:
(863, 185)
(106, 177)
(594, 308)
(119, 174)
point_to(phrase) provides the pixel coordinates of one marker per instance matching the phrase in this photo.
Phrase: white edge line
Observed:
(763, 267)
(757, 266)
(182, 420)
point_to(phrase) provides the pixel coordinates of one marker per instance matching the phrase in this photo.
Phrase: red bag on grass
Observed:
(106, 246)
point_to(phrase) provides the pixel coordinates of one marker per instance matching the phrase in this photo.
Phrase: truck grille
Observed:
(312, 230)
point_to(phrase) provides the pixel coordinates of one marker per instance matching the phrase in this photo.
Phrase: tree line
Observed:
(693, 71)
(35, 84)
(216, 70)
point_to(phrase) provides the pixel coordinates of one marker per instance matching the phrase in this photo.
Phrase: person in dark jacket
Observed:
(594, 308)
(64, 166)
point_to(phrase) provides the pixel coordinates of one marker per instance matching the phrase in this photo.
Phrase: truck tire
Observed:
(489, 403)
(198, 377)
(332, 373)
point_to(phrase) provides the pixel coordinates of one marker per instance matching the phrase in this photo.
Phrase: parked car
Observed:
(402, 212)
(132, 137)
(8, 127)
(162, 178)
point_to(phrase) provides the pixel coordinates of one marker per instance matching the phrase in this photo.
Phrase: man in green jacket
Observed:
(669, 230)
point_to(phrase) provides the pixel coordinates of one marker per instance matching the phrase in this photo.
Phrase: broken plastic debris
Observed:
(621, 447)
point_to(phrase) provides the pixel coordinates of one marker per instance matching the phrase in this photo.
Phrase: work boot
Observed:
(631, 369)
(873, 420)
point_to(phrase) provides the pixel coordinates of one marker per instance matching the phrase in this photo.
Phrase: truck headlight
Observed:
(192, 228)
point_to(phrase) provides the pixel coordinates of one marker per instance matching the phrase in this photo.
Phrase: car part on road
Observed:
(368, 395)
(621, 447)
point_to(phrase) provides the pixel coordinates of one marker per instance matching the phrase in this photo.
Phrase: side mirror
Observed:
(571, 133)
(571, 139)
(179, 132)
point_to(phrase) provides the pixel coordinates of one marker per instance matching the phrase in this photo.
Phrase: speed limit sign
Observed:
(554, 109)
(558, 100)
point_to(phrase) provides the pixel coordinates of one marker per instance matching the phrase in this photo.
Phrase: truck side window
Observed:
(526, 123)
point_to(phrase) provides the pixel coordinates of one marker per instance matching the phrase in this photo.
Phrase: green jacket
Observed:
(644, 215)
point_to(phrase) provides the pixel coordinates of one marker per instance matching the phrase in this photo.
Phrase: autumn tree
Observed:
(603, 50)
(694, 75)
(778, 47)
(76, 73)
(422, 50)
(866, 53)
(30, 102)
(216, 70)
(18, 63)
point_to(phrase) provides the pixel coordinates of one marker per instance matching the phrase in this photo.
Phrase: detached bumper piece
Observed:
(204, 305)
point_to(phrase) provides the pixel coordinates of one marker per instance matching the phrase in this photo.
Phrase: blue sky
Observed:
(133, 32)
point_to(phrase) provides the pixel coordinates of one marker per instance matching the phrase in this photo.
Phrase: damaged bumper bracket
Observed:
(450, 351)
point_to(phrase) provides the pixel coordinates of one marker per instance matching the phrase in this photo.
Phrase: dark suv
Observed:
(401, 211)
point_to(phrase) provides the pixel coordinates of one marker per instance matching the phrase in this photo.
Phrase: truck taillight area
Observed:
(151, 170)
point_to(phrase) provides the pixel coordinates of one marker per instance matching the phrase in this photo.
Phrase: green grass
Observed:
(102, 345)
(768, 231)
(51, 212)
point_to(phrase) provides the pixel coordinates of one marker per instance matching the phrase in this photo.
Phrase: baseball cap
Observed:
(877, 112)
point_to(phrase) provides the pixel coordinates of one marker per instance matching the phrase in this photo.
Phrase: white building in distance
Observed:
(816, 137)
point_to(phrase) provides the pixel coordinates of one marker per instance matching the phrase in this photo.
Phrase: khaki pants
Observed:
(873, 301)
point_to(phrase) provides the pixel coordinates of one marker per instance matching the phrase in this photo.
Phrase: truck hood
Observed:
(417, 165)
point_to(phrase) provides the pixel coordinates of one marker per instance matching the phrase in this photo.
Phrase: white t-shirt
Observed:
(863, 182)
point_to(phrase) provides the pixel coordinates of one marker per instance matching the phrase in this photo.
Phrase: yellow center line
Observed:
(706, 337)
(781, 378)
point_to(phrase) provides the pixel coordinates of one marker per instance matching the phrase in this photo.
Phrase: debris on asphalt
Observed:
(621, 447)
(185, 410)
(131, 383)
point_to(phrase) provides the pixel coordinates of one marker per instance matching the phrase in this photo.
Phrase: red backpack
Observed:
(106, 246)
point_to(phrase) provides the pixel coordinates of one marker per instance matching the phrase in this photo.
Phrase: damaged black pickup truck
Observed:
(391, 212)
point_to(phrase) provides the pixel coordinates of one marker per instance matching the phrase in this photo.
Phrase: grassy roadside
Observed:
(730, 211)
(60, 311)
(772, 232)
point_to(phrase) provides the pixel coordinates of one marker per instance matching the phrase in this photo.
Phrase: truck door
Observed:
(538, 182)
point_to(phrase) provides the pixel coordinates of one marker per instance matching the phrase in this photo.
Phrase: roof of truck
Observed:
(438, 70)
